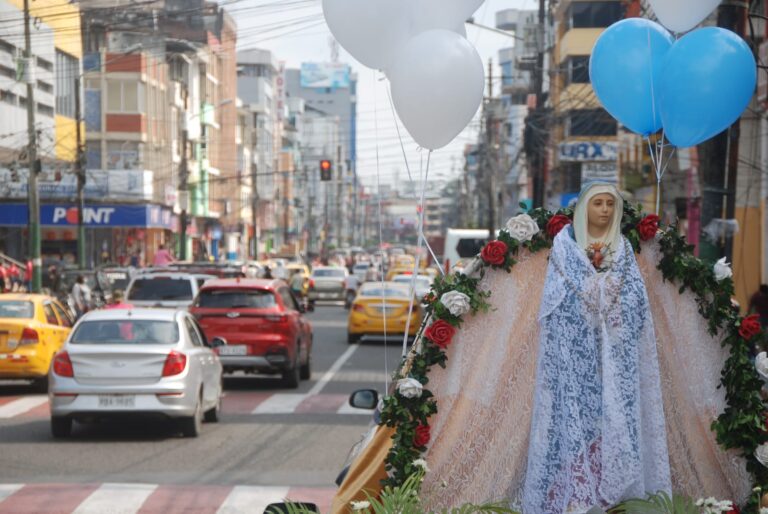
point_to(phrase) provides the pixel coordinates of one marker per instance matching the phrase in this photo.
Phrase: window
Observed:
(93, 154)
(16, 309)
(161, 288)
(5, 71)
(125, 96)
(67, 70)
(591, 122)
(45, 87)
(7, 97)
(584, 15)
(194, 337)
(45, 110)
(66, 319)
(288, 301)
(45, 64)
(577, 70)
(236, 299)
(7, 47)
(123, 155)
(128, 331)
(50, 316)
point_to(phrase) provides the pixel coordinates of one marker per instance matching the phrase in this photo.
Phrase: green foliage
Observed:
(659, 503)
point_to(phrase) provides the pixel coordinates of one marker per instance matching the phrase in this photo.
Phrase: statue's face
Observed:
(600, 211)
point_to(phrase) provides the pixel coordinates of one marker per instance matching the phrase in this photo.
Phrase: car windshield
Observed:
(362, 266)
(236, 299)
(16, 309)
(130, 331)
(161, 288)
(335, 273)
(389, 292)
(420, 282)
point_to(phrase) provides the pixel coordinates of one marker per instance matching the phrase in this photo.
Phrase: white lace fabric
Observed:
(480, 436)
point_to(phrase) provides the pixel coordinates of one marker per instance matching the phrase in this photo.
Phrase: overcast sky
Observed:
(295, 32)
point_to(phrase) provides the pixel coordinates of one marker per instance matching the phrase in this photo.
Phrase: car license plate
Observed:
(326, 295)
(117, 400)
(233, 350)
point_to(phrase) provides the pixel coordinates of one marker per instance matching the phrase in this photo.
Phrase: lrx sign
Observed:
(580, 151)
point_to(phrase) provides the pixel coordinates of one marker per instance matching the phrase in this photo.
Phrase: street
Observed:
(270, 443)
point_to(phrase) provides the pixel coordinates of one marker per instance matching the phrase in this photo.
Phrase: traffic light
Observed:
(326, 170)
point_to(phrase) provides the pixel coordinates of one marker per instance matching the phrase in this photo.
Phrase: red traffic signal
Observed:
(326, 170)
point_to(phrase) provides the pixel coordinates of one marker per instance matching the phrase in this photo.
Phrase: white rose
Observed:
(421, 463)
(360, 505)
(409, 388)
(761, 454)
(761, 365)
(457, 303)
(722, 270)
(522, 227)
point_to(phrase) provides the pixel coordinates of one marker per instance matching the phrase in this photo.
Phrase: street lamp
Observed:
(184, 182)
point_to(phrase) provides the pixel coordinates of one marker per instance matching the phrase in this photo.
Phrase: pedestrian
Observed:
(81, 296)
(268, 273)
(118, 301)
(4, 280)
(163, 257)
(759, 304)
(352, 285)
(15, 274)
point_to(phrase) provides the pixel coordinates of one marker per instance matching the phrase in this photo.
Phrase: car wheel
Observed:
(191, 426)
(213, 414)
(61, 426)
(306, 368)
(353, 338)
(292, 377)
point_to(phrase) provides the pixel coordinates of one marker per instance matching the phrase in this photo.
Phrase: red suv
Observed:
(262, 324)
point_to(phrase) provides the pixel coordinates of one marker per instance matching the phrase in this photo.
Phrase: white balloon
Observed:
(437, 86)
(682, 15)
(370, 30)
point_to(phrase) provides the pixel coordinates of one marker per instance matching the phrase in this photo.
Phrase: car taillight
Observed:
(358, 307)
(174, 364)
(29, 336)
(311, 283)
(62, 366)
(276, 318)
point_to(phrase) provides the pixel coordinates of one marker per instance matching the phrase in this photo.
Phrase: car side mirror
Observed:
(218, 341)
(364, 399)
(291, 508)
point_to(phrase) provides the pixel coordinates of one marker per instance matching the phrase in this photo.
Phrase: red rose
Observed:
(557, 223)
(441, 333)
(734, 510)
(495, 253)
(422, 436)
(750, 327)
(648, 227)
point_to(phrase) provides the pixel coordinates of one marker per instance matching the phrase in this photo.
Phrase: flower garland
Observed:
(744, 423)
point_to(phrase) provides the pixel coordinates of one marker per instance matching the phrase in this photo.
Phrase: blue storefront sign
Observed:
(94, 216)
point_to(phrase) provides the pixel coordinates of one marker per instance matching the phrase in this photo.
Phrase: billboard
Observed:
(580, 151)
(122, 185)
(333, 75)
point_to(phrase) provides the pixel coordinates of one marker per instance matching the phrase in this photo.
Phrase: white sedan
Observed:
(132, 362)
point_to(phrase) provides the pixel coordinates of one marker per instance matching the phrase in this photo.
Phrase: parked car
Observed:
(118, 277)
(423, 283)
(328, 284)
(167, 289)
(132, 363)
(360, 270)
(32, 329)
(379, 305)
(263, 325)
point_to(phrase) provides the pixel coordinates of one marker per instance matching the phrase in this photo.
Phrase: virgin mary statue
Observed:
(590, 381)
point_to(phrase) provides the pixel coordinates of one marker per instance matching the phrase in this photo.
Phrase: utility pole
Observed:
(538, 116)
(719, 157)
(184, 189)
(255, 209)
(80, 174)
(490, 154)
(33, 197)
(310, 236)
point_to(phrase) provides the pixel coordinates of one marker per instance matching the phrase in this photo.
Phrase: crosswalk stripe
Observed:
(116, 499)
(280, 403)
(21, 406)
(328, 376)
(8, 489)
(252, 499)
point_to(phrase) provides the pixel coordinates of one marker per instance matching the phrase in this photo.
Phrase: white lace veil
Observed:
(612, 237)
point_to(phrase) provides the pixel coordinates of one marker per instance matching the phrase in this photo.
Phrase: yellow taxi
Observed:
(399, 270)
(377, 301)
(33, 328)
(404, 261)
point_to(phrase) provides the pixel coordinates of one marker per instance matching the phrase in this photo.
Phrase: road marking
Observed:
(8, 489)
(348, 409)
(21, 406)
(116, 499)
(280, 403)
(376, 377)
(320, 384)
(328, 324)
(251, 499)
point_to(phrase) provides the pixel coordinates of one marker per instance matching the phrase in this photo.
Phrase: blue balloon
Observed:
(625, 69)
(708, 80)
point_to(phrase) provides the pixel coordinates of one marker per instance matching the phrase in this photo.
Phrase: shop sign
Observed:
(94, 216)
(99, 184)
(602, 171)
(580, 151)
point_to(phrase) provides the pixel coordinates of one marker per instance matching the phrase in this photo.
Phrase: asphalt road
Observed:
(268, 436)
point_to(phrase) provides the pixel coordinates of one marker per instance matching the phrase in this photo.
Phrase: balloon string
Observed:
(410, 177)
(415, 275)
(381, 232)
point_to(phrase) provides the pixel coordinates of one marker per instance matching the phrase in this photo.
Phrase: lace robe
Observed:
(480, 436)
